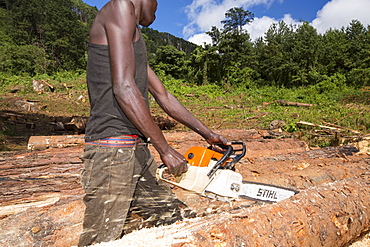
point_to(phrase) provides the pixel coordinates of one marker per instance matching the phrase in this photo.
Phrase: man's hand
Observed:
(218, 142)
(175, 162)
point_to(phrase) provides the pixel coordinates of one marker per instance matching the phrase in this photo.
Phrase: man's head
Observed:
(148, 9)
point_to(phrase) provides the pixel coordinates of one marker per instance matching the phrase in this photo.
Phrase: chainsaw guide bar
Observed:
(212, 174)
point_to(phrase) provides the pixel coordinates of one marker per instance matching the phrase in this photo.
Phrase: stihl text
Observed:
(267, 193)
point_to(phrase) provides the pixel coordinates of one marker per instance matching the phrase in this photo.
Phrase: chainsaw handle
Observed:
(223, 159)
(238, 156)
(159, 174)
(230, 151)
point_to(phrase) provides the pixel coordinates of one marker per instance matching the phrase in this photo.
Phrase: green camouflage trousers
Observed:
(120, 181)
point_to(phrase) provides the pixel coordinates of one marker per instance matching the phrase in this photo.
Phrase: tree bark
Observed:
(41, 197)
(329, 215)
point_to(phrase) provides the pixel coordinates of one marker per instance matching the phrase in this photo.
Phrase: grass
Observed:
(218, 107)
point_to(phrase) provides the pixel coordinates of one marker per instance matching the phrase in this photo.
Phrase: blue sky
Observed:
(190, 19)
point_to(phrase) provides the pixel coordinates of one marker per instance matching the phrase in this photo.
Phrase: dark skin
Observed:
(115, 26)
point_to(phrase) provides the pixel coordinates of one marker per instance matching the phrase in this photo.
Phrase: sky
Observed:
(190, 19)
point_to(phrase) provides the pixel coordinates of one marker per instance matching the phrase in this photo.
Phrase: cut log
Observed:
(41, 196)
(44, 142)
(327, 215)
(77, 124)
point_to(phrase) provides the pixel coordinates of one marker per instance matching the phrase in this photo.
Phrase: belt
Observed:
(117, 141)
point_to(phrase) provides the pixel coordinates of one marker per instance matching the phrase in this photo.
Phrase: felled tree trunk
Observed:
(41, 198)
(328, 215)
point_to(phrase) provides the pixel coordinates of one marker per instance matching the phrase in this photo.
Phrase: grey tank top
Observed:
(106, 117)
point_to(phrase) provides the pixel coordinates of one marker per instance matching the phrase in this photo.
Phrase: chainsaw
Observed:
(212, 174)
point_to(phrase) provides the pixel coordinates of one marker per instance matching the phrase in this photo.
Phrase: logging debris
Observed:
(288, 103)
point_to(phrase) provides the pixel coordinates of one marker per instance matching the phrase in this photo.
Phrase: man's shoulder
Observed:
(115, 11)
(119, 5)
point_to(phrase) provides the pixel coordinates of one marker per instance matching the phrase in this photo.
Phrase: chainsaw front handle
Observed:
(238, 156)
(232, 154)
(226, 155)
(159, 174)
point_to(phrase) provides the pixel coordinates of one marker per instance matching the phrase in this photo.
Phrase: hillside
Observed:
(157, 39)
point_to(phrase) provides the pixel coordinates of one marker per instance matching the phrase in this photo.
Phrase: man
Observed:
(119, 170)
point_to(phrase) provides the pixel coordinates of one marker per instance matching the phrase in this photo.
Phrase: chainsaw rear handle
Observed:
(159, 175)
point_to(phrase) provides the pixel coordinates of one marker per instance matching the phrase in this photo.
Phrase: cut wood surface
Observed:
(41, 197)
(326, 215)
(59, 141)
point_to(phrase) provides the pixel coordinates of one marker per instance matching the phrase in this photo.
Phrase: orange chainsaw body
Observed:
(201, 157)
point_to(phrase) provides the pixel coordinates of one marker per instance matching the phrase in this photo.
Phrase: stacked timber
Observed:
(41, 198)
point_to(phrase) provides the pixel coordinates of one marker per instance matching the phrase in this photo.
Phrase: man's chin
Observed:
(146, 24)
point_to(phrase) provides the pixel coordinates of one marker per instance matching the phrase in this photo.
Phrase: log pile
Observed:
(41, 198)
(326, 215)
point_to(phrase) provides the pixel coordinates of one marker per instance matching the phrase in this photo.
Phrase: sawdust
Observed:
(171, 236)
(154, 237)
(363, 241)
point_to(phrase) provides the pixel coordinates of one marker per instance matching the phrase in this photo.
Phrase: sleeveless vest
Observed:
(106, 117)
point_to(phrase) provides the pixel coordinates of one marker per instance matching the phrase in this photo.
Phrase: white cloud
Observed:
(259, 26)
(203, 14)
(339, 13)
(200, 39)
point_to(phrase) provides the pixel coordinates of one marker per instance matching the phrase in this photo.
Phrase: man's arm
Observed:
(177, 111)
(121, 31)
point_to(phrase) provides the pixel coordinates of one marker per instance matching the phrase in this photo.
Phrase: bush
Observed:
(359, 77)
(18, 60)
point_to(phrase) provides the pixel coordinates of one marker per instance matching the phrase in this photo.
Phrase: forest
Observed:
(234, 82)
(48, 36)
(287, 95)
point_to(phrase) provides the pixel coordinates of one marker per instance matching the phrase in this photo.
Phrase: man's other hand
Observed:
(175, 162)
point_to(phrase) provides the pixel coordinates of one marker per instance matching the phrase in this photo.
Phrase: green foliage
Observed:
(60, 81)
(334, 83)
(359, 77)
(23, 59)
(327, 106)
(56, 27)
(5, 39)
(7, 79)
(240, 77)
(236, 18)
(44, 37)
(76, 78)
(171, 61)
(289, 56)
(155, 39)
